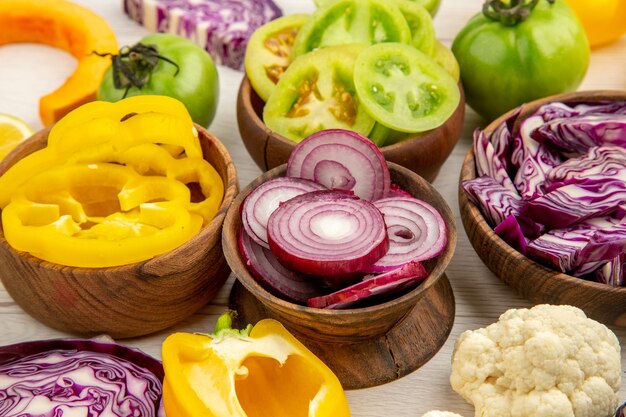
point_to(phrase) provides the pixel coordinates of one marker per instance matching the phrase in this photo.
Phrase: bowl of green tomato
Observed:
(398, 86)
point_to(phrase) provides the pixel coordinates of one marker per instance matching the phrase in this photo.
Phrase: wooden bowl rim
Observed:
(231, 188)
(245, 91)
(411, 297)
(477, 218)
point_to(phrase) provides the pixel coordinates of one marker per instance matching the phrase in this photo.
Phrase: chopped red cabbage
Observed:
(568, 164)
(511, 232)
(573, 202)
(532, 159)
(605, 161)
(78, 378)
(221, 27)
(495, 201)
(612, 273)
(488, 162)
(577, 134)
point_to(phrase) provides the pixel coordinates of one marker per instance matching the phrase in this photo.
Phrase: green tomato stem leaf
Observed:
(510, 13)
(133, 65)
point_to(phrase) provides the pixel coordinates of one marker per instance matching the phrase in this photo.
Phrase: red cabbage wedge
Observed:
(78, 378)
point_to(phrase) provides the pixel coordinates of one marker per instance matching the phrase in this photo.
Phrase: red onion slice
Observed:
(415, 229)
(274, 277)
(344, 160)
(265, 198)
(372, 285)
(327, 233)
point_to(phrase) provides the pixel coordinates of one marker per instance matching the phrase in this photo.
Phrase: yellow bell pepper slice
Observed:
(98, 215)
(260, 372)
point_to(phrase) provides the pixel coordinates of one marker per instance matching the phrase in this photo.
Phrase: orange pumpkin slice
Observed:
(68, 26)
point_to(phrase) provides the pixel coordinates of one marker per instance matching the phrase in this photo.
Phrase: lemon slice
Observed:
(12, 132)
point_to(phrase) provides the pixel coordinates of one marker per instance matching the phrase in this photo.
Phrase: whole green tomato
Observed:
(516, 52)
(169, 65)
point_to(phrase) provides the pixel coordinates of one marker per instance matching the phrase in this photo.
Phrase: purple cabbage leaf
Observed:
(579, 133)
(532, 159)
(78, 377)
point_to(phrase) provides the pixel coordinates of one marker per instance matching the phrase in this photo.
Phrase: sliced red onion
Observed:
(273, 276)
(344, 160)
(416, 232)
(396, 191)
(265, 198)
(327, 233)
(372, 285)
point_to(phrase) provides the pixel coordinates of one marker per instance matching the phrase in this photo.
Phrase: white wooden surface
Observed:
(29, 71)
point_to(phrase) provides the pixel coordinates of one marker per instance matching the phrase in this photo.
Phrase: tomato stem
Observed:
(510, 13)
(133, 65)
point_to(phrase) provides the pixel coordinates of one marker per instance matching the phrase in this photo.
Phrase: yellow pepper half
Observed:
(260, 371)
(98, 215)
(604, 20)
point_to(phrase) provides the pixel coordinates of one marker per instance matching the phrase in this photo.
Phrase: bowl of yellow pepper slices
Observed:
(111, 219)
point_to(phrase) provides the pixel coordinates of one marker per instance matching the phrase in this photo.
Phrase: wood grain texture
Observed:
(347, 325)
(424, 153)
(405, 347)
(530, 279)
(129, 300)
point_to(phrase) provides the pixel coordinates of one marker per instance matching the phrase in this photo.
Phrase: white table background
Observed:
(30, 71)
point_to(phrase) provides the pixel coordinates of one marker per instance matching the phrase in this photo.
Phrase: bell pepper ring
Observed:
(247, 373)
(100, 128)
(98, 215)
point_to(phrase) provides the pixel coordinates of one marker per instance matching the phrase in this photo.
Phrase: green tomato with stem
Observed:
(519, 51)
(168, 65)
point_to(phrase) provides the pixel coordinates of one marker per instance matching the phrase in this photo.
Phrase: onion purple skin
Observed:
(621, 411)
(20, 351)
(272, 275)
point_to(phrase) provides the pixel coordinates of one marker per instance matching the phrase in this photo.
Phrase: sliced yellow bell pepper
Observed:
(256, 372)
(98, 215)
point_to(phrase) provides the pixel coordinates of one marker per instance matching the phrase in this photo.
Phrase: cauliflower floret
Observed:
(547, 361)
(437, 413)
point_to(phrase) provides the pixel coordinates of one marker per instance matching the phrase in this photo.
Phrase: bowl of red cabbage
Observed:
(79, 377)
(338, 244)
(543, 201)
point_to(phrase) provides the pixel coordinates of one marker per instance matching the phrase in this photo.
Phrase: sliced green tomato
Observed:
(404, 89)
(443, 56)
(317, 92)
(384, 136)
(268, 51)
(352, 21)
(421, 25)
(430, 5)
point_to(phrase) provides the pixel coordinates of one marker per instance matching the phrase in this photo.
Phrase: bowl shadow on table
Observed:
(533, 281)
(129, 300)
(364, 346)
(423, 153)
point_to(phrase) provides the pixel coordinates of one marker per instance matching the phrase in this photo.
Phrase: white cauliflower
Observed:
(437, 413)
(547, 361)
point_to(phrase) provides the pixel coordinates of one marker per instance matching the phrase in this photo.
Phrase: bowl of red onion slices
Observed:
(338, 244)
(543, 201)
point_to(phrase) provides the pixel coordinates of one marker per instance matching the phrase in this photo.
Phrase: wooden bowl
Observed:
(130, 300)
(349, 325)
(530, 279)
(423, 154)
